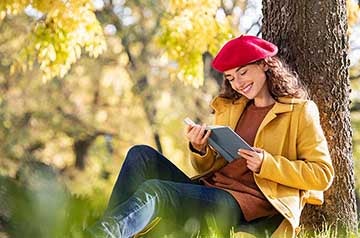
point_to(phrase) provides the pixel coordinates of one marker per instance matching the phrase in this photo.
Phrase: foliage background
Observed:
(83, 81)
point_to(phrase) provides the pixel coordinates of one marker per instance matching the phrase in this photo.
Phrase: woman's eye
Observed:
(243, 73)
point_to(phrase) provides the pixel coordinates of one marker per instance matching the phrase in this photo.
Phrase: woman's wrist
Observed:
(198, 151)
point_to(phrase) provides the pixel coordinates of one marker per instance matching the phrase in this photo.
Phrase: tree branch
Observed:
(256, 23)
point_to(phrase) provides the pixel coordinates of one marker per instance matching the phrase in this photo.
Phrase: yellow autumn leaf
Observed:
(56, 41)
(51, 52)
(194, 22)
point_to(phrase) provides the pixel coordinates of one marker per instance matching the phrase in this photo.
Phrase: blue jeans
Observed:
(150, 186)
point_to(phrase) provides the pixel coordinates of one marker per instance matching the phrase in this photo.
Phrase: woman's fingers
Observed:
(206, 137)
(189, 128)
(247, 152)
(198, 136)
(253, 158)
(259, 150)
(200, 133)
(193, 132)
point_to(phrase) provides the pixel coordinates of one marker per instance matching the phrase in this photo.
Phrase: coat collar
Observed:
(282, 105)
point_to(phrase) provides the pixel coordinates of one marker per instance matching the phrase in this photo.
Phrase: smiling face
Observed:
(249, 80)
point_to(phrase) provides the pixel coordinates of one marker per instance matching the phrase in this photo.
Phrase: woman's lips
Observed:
(247, 88)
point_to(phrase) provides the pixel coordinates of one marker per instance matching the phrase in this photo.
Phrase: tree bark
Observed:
(312, 38)
(81, 148)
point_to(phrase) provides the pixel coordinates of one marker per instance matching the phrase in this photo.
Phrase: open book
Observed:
(224, 140)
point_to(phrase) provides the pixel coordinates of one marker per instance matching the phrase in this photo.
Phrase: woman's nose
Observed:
(237, 83)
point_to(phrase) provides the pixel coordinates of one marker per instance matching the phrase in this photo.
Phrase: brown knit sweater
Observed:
(236, 178)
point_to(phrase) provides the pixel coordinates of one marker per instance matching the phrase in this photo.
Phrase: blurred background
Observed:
(82, 81)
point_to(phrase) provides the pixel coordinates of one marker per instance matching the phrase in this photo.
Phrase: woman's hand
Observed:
(197, 137)
(253, 159)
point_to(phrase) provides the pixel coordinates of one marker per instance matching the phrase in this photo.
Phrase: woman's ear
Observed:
(264, 66)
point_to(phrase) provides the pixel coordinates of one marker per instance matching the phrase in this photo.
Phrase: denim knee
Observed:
(141, 148)
(137, 151)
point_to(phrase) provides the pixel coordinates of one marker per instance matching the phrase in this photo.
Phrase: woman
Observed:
(262, 193)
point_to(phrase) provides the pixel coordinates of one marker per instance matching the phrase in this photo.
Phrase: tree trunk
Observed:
(81, 149)
(311, 36)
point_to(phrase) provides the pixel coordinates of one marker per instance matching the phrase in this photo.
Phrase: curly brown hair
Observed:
(281, 81)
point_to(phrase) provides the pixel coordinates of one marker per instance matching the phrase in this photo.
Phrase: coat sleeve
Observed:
(202, 163)
(312, 170)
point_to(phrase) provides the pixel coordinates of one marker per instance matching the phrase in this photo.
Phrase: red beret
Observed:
(242, 51)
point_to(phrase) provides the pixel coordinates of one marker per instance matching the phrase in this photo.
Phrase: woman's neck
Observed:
(263, 102)
(264, 98)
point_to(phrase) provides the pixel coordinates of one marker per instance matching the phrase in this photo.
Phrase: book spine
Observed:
(224, 154)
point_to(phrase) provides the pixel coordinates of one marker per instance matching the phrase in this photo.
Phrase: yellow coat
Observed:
(297, 165)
